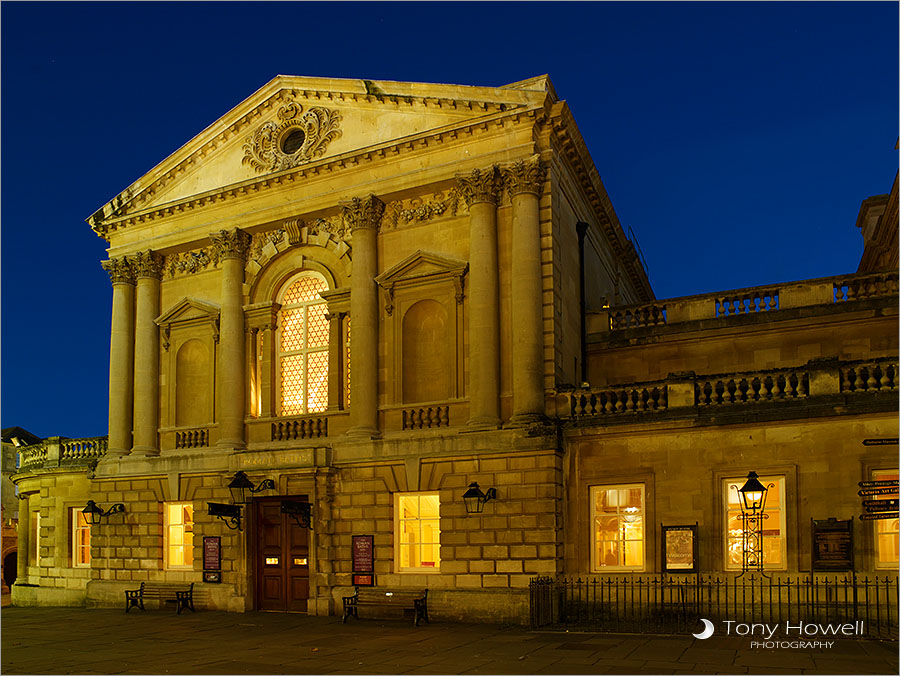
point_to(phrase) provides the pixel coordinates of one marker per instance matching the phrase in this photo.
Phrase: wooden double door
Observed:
(282, 558)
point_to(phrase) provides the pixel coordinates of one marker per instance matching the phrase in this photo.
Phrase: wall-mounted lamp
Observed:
(94, 513)
(475, 498)
(301, 512)
(240, 485)
(230, 514)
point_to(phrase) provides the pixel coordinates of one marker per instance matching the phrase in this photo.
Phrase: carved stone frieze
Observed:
(480, 186)
(525, 176)
(362, 212)
(231, 244)
(120, 270)
(147, 264)
(262, 239)
(189, 262)
(421, 209)
(297, 138)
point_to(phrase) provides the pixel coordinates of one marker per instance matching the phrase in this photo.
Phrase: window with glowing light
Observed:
(303, 345)
(887, 533)
(81, 539)
(618, 517)
(417, 532)
(773, 526)
(179, 545)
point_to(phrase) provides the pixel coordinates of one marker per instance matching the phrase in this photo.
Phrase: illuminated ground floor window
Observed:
(179, 535)
(417, 532)
(887, 541)
(81, 539)
(773, 527)
(618, 518)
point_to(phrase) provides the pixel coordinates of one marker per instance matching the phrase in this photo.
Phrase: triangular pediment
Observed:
(295, 121)
(188, 309)
(421, 265)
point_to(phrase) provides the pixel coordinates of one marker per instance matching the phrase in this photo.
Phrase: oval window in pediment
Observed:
(292, 141)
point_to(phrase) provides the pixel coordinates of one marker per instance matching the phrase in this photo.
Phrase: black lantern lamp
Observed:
(95, 514)
(475, 498)
(300, 512)
(753, 493)
(241, 485)
(230, 514)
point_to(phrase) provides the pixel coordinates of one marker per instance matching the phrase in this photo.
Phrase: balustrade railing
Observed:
(426, 417)
(652, 314)
(300, 428)
(870, 377)
(198, 438)
(751, 387)
(610, 401)
(33, 456)
(83, 449)
(761, 300)
(870, 286)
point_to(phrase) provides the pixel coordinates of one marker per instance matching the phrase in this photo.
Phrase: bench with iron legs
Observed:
(181, 593)
(416, 600)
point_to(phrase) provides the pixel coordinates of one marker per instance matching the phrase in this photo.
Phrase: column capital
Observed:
(119, 269)
(525, 176)
(147, 264)
(231, 244)
(362, 212)
(480, 186)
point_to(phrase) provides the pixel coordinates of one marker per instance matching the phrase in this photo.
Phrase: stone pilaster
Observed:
(525, 181)
(121, 356)
(262, 321)
(147, 266)
(231, 247)
(22, 537)
(363, 217)
(481, 191)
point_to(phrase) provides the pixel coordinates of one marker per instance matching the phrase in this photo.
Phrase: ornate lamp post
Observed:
(753, 514)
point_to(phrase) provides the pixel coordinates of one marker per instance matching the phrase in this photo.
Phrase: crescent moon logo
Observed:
(708, 628)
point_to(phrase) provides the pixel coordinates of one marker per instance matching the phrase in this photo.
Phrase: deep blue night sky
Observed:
(736, 139)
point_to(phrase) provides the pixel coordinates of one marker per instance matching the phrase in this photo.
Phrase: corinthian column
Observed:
(147, 267)
(525, 181)
(231, 247)
(363, 217)
(121, 356)
(481, 191)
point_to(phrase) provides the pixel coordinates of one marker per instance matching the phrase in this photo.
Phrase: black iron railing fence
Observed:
(675, 604)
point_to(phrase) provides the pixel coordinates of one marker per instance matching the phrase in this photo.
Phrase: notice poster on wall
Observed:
(363, 552)
(212, 558)
(832, 544)
(679, 549)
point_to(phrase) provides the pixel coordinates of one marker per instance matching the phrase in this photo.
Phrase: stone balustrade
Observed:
(426, 417)
(56, 452)
(197, 438)
(755, 300)
(852, 381)
(306, 427)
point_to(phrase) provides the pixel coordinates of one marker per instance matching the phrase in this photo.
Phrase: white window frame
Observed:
(304, 351)
(167, 533)
(76, 527)
(596, 566)
(884, 526)
(780, 482)
(398, 534)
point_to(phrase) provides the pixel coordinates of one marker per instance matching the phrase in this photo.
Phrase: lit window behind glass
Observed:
(304, 347)
(618, 526)
(420, 532)
(772, 529)
(886, 530)
(180, 534)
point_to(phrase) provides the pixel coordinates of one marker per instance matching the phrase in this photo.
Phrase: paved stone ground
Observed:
(82, 641)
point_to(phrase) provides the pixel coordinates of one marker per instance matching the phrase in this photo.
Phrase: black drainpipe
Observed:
(581, 227)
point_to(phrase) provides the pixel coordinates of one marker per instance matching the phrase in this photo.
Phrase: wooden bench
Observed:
(389, 598)
(181, 593)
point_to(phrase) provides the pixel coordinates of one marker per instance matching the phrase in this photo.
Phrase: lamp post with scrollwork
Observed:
(753, 514)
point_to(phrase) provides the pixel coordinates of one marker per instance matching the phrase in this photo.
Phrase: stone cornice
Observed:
(362, 213)
(231, 244)
(104, 224)
(147, 264)
(480, 186)
(120, 270)
(525, 176)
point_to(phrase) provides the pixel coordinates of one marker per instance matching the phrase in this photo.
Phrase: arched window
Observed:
(303, 345)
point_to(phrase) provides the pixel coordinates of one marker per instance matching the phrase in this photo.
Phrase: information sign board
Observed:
(832, 544)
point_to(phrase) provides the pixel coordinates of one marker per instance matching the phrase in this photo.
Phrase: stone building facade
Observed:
(378, 293)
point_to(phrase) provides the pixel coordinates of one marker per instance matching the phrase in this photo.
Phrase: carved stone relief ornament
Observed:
(421, 209)
(480, 186)
(525, 176)
(120, 271)
(362, 212)
(189, 262)
(231, 244)
(297, 138)
(147, 264)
